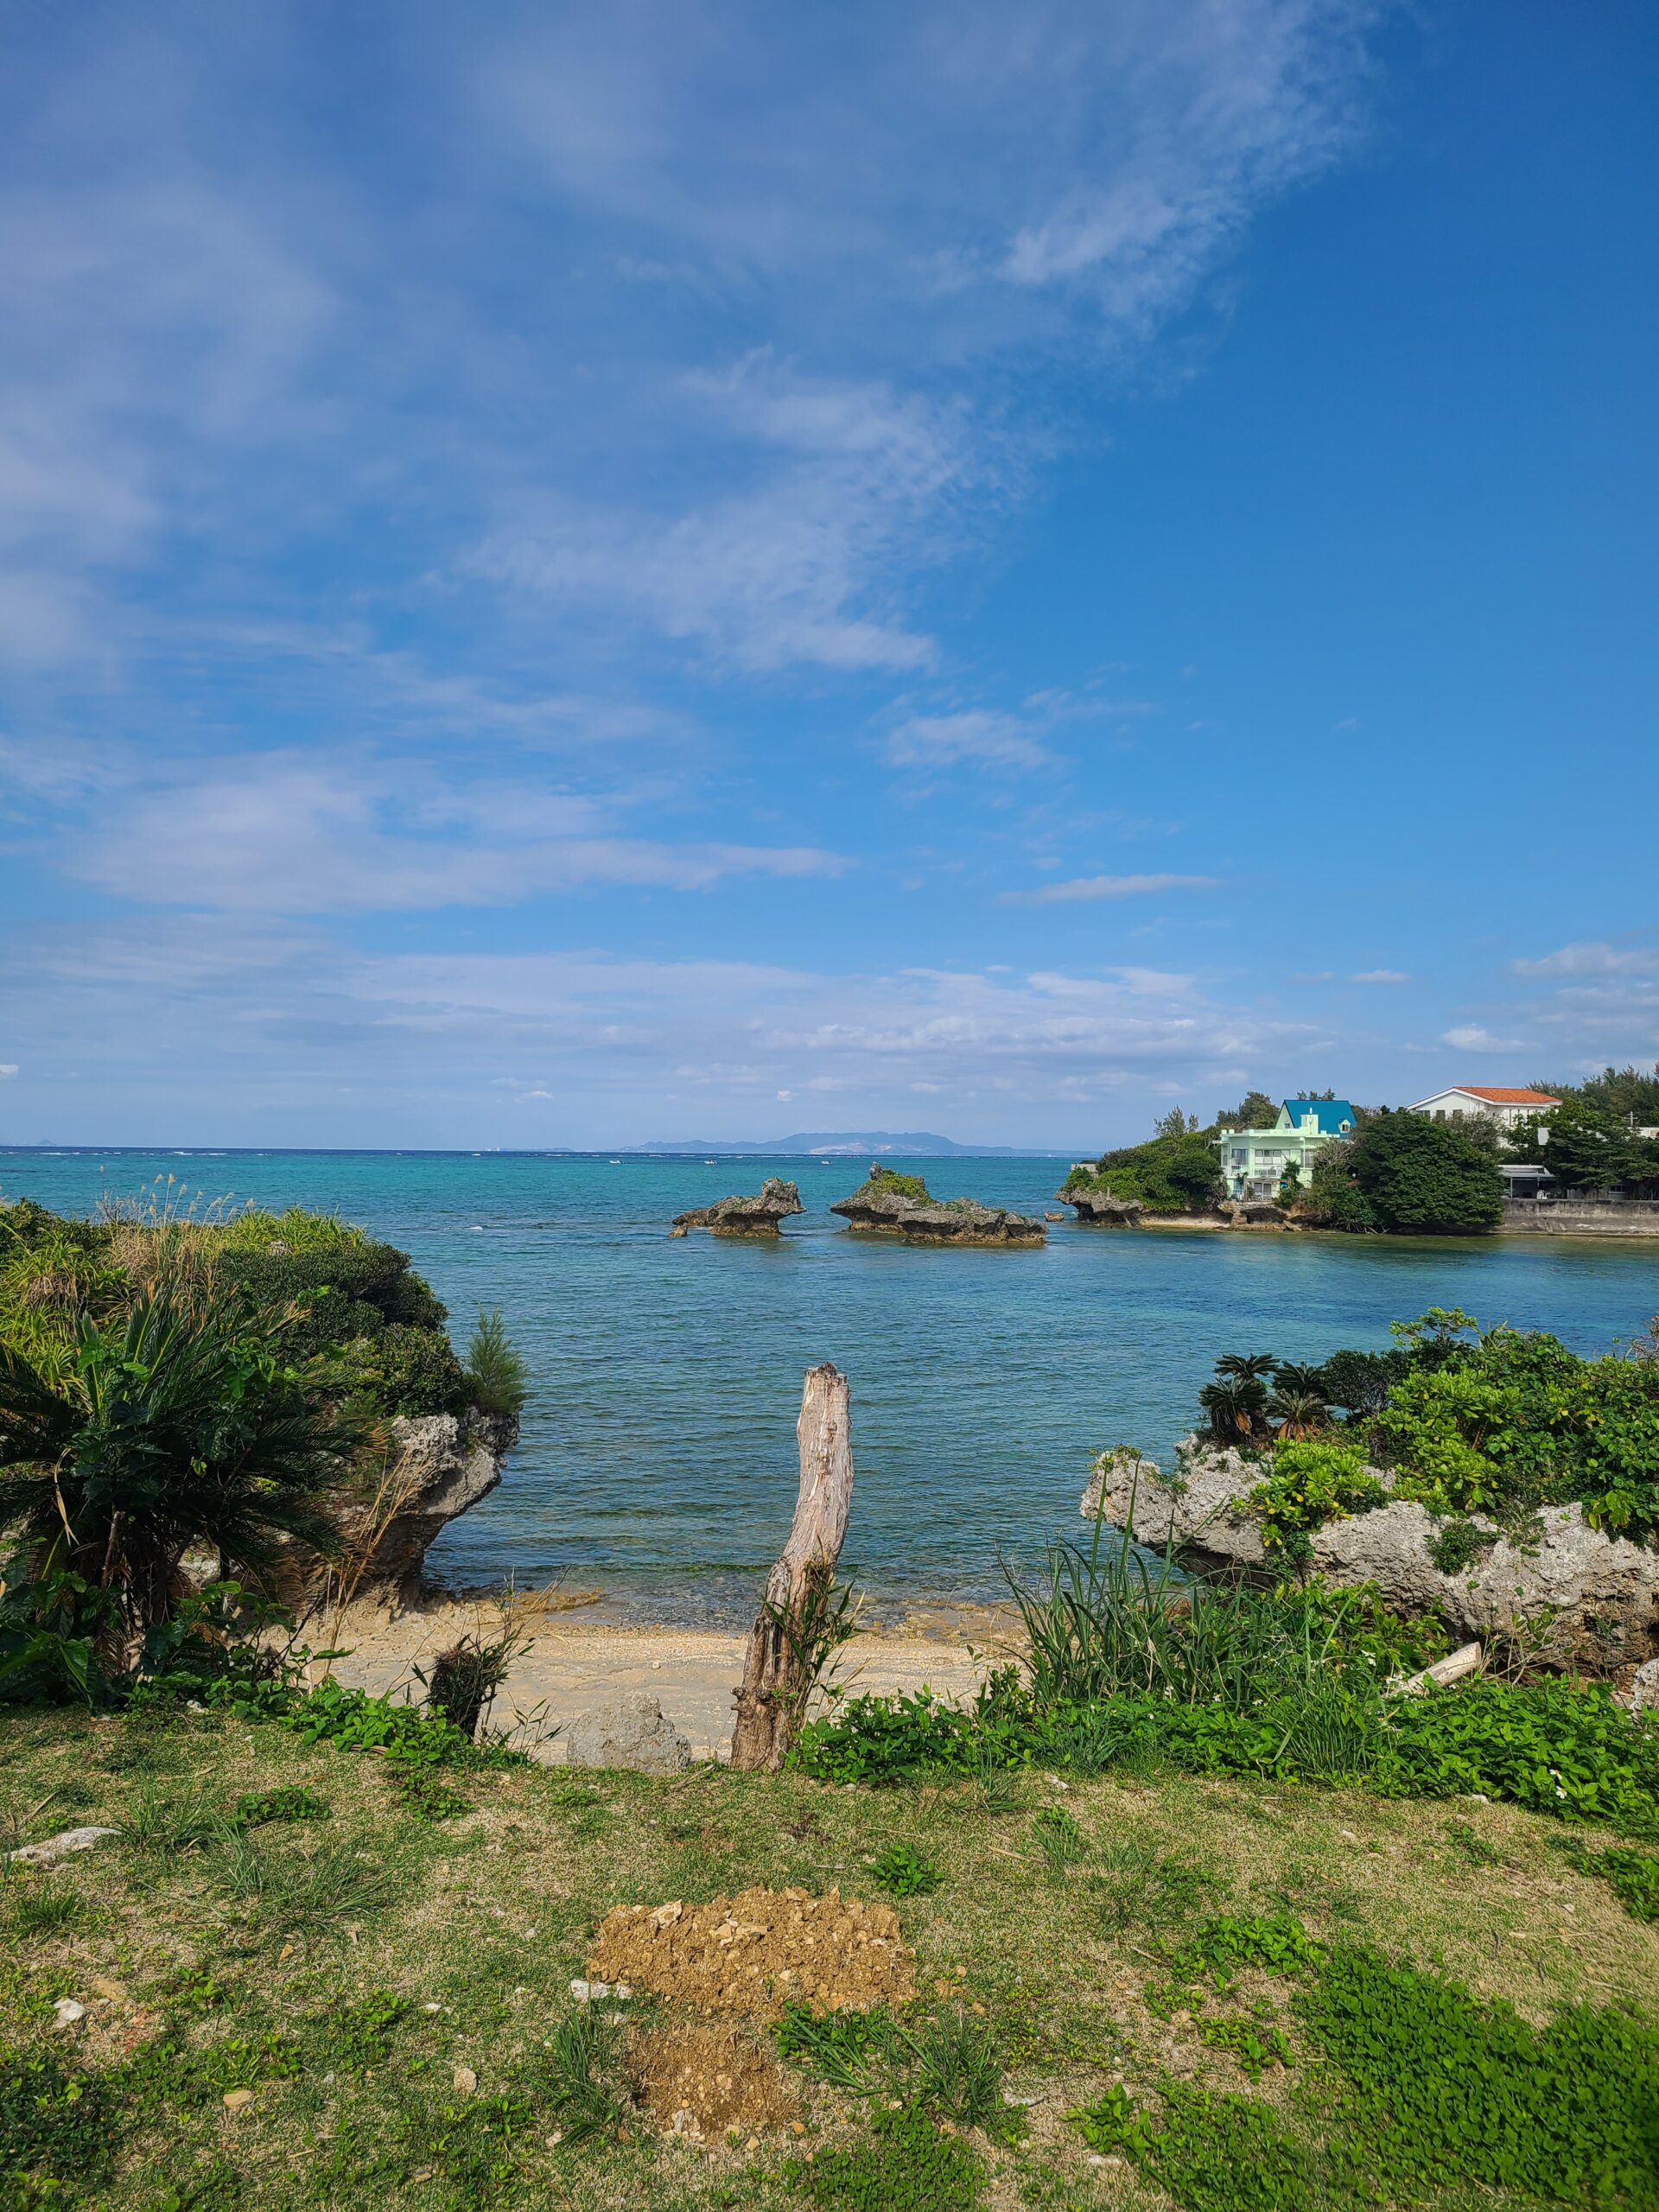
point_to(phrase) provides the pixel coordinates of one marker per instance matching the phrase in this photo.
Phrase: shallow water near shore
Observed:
(657, 1464)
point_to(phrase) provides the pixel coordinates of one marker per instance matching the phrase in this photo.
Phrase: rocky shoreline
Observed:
(1571, 1596)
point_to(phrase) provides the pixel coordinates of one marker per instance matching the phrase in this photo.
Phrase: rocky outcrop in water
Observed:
(1095, 1202)
(743, 1217)
(1572, 1593)
(1102, 1205)
(887, 1203)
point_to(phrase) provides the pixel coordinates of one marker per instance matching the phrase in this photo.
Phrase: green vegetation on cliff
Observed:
(1172, 1173)
(176, 1388)
(1499, 1422)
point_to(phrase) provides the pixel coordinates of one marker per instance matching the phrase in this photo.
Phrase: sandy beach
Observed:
(573, 1664)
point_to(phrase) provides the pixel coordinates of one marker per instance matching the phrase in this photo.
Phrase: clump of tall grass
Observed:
(1113, 1620)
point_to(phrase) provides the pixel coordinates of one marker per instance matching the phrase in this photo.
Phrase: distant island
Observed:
(917, 1144)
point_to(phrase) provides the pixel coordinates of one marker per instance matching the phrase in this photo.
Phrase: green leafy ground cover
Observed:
(1243, 1989)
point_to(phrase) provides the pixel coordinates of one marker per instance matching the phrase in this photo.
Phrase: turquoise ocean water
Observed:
(657, 1456)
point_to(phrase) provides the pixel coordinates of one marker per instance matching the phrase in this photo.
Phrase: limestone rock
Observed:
(59, 1846)
(1643, 1695)
(442, 1469)
(1104, 1207)
(629, 1732)
(887, 1203)
(1252, 1213)
(1593, 1597)
(758, 1216)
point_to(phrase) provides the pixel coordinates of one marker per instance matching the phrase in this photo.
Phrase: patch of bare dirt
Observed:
(757, 1951)
(701, 2077)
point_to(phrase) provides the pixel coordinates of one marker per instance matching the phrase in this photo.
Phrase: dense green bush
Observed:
(1314, 1480)
(337, 1284)
(1426, 1179)
(1168, 1174)
(171, 1384)
(1499, 1423)
(402, 1370)
(1518, 1420)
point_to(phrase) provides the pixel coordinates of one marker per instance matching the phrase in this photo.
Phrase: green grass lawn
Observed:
(391, 1988)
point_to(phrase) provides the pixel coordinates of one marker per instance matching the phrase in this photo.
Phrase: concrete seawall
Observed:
(1576, 1218)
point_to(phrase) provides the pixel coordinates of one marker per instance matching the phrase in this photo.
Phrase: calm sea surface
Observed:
(658, 1457)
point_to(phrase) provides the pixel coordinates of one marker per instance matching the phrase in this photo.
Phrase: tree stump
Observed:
(785, 1648)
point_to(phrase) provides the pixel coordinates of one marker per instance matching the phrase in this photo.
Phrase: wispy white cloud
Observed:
(981, 735)
(1379, 976)
(267, 1014)
(842, 476)
(1471, 1038)
(292, 833)
(993, 737)
(1591, 959)
(1108, 887)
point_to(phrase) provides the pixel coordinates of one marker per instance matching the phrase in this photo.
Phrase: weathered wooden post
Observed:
(779, 1669)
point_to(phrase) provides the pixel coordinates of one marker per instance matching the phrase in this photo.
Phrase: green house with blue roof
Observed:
(1254, 1162)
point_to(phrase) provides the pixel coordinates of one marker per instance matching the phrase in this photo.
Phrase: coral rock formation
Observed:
(758, 1216)
(1586, 1598)
(887, 1203)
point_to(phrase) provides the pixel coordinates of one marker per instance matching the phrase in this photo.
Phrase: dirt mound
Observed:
(697, 2078)
(758, 1951)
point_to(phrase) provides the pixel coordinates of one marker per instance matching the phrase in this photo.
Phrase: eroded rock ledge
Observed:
(1581, 1597)
(887, 1203)
(758, 1216)
(1106, 1210)
(440, 1468)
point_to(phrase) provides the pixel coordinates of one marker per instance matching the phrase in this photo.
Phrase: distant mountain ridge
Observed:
(910, 1144)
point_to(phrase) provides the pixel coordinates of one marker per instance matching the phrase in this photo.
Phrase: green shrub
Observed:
(403, 1370)
(498, 1380)
(329, 1276)
(1425, 1179)
(902, 1872)
(1167, 1174)
(353, 1720)
(1549, 1746)
(1312, 1481)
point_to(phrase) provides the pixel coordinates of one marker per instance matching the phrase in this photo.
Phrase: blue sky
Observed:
(576, 574)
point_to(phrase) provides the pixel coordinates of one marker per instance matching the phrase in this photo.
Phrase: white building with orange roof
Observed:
(1482, 1101)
